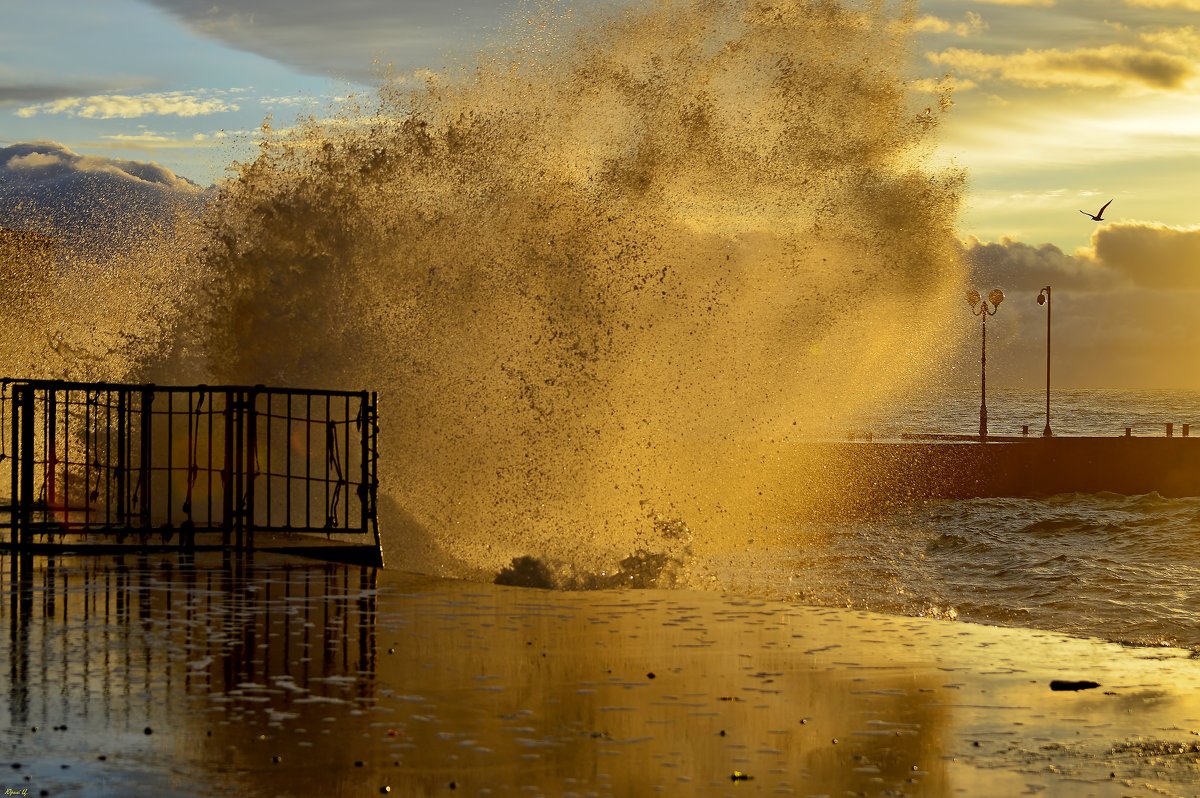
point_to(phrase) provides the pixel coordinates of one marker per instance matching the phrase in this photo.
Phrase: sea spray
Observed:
(93, 261)
(603, 280)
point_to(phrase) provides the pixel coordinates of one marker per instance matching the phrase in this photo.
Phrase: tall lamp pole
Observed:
(980, 307)
(1044, 299)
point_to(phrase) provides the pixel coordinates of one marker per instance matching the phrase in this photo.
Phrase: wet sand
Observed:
(280, 677)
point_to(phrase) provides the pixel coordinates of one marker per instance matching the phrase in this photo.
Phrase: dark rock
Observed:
(526, 571)
(1060, 685)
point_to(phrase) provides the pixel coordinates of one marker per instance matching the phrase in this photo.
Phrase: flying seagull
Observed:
(1099, 217)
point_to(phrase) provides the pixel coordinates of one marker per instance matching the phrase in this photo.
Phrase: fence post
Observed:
(251, 463)
(15, 468)
(51, 447)
(364, 490)
(145, 474)
(227, 473)
(23, 404)
(239, 473)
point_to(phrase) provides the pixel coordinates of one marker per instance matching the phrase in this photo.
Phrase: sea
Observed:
(1121, 568)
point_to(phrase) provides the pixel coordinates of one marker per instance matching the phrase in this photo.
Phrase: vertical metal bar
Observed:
(88, 426)
(308, 461)
(330, 437)
(209, 474)
(288, 467)
(251, 460)
(227, 470)
(346, 464)
(122, 465)
(107, 463)
(364, 432)
(18, 468)
(192, 443)
(50, 446)
(170, 452)
(239, 469)
(373, 487)
(270, 421)
(66, 456)
(25, 502)
(146, 454)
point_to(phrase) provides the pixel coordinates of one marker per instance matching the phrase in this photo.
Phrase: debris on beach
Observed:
(1060, 685)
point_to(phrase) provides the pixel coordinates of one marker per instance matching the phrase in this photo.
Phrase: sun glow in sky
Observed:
(1059, 106)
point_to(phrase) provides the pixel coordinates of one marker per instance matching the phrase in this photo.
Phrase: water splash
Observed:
(603, 279)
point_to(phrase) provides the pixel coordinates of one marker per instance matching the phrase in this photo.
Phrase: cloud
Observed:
(1121, 255)
(344, 39)
(1123, 307)
(145, 137)
(1151, 255)
(1017, 266)
(1185, 5)
(26, 86)
(89, 201)
(972, 25)
(11, 92)
(122, 106)
(1184, 39)
(1113, 65)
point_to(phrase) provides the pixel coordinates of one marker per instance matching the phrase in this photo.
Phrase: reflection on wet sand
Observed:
(283, 677)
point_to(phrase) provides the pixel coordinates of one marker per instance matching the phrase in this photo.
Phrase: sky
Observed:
(1060, 106)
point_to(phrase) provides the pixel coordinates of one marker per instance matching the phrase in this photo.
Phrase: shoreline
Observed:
(295, 678)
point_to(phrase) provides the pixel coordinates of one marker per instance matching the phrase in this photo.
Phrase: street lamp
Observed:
(1044, 299)
(995, 297)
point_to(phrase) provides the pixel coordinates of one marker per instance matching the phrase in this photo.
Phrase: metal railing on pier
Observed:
(167, 464)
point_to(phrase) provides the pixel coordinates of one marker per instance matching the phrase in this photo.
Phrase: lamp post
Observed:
(1044, 299)
(981, 307)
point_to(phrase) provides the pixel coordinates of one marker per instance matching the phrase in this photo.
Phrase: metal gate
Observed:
(174, 462)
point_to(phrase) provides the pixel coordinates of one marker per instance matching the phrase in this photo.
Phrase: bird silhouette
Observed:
(1099, 217)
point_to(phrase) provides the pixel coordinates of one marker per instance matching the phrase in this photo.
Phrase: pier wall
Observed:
(860, 475)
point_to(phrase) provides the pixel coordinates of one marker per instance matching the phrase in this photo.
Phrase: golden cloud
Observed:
(1184, 40)
(1113, 65)
(1186, 5)
(971, 25)
(1042, 3)
(122, 106)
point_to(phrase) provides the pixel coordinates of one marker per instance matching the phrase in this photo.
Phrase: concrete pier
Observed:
(865, 474)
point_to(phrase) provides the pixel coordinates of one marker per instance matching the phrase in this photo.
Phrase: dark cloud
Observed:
(1123, 255)
(1151, 255)
(1112, 66)
(34, 92)
(90, 201)
(1016, 265)
(344, 38)
(1123, 309)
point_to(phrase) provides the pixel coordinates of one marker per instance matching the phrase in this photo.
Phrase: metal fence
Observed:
(116, 459)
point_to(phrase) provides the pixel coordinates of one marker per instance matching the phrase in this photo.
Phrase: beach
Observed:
(279, 676)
